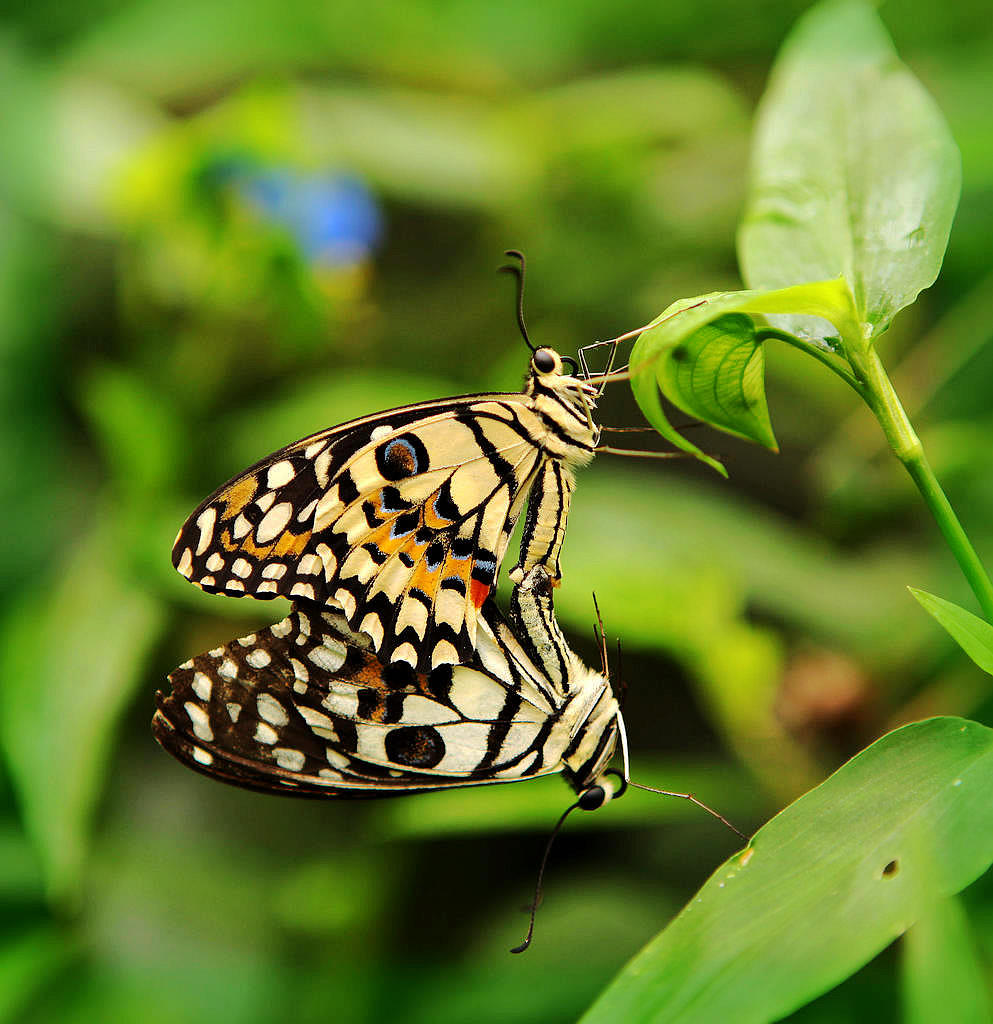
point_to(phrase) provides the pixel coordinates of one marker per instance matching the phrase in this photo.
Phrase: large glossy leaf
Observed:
(854, 171)
(70, 659)
(824, 886)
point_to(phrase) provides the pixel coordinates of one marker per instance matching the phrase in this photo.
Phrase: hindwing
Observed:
(401, 520)
(306, 708)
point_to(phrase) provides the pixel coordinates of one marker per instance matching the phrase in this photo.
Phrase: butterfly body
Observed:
(401, 520)
(307, 708)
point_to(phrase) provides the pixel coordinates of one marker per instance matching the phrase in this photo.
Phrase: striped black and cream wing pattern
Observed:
(401, 520)
(307, 708)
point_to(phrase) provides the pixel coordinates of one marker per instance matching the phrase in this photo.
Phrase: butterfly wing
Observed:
(401, 520)
(306, 708)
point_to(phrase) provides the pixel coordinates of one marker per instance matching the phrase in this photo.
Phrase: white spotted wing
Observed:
(399, 520)
(306, 707)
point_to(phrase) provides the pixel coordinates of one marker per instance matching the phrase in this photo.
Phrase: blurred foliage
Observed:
(222, 228)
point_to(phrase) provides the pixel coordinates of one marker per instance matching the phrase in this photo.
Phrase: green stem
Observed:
(875, 386)
(816, 351)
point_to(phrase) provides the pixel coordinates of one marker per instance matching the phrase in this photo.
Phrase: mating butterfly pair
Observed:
(395, 672)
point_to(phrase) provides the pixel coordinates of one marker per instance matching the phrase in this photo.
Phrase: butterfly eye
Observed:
(545, 360)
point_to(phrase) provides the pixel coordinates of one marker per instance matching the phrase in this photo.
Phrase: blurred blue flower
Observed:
(333, 217)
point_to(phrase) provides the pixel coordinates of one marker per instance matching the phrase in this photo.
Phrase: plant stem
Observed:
(834, 365)
(876, 388)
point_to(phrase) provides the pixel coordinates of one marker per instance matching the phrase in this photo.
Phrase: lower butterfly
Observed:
(308, 708)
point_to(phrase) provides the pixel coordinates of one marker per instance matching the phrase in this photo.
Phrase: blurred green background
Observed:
(224, 226)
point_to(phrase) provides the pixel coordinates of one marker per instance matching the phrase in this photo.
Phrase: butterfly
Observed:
(401, 520)
(306, 707)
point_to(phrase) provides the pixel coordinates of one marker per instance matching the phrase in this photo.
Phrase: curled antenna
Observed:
(518, 272)
(590, 800)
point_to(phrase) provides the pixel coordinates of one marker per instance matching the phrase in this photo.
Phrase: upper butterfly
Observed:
(401, 520)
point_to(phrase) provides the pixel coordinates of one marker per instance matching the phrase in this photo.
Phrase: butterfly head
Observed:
(556, 380)
(551, 369)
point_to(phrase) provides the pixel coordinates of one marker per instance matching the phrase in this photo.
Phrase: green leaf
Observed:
(941, 975)
(854, 171)
(718, 375)
(706, 356)
(973, 634)
(824, 886)
(70, 658)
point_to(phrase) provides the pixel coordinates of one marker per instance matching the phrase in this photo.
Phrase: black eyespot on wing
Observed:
(415, 746)
(401, 457)
(544, 360)
(398, 675)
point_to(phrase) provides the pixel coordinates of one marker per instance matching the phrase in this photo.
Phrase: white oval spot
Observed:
(291, 760)
(205, 523)
(201, 723)
(280, 474)
(202, 686)
(258, 658)
(283, 628)
(242, 567)
(202, 756)
(266, 734)
(271, 710)
(327, 657)
(273, 522)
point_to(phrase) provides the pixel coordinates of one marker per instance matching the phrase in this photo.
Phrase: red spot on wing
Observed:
(478, 593)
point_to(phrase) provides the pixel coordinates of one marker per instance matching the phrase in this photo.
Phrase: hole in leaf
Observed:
(891, 869)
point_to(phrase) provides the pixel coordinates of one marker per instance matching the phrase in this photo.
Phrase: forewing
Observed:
(401, 520)
(306, 708)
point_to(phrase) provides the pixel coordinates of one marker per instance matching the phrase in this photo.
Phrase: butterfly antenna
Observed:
(693, 800)
(602, 638)
(518, 272)
(622, 683)
(541, 876)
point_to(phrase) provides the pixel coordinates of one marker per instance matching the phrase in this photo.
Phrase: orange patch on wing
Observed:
(290, 544)
(427, 579)
(387, 544)
(237, 496)
(431, 519)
